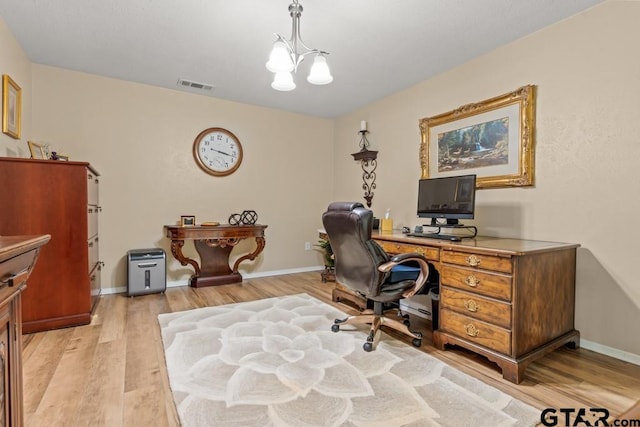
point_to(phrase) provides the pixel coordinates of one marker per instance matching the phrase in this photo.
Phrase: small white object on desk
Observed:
(363, 125)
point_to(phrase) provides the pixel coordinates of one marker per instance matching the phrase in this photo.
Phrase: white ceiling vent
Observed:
(201, 87)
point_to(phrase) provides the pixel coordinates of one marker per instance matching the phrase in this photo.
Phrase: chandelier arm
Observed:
(298, 33)
(283, 40)
(309, 49)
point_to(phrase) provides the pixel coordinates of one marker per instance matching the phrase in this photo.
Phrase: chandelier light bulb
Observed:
(320, 73)
(283, 81)
(280, 58)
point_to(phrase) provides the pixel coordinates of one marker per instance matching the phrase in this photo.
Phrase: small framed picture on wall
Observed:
(11, 107)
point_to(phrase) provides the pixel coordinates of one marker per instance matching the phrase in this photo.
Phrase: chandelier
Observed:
(285, 57)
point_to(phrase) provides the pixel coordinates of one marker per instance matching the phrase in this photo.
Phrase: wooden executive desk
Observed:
(214, 245)
(510, 300)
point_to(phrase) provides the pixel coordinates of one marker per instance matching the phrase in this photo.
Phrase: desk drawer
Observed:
(485, 262)
(429, 252)
(483, 283)
(16, 270)
(476, 331)
(476, 306)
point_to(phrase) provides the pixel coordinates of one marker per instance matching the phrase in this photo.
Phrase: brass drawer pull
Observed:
(473, 261)
(471, 305)
(421, 251)
(472, 281)
(471, 330)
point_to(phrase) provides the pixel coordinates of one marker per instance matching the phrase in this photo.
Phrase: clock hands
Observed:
(222, 152)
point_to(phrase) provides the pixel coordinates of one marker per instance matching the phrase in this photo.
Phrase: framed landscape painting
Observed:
(493, 139)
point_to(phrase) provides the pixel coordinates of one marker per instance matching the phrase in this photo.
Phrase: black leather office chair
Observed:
(364, 267)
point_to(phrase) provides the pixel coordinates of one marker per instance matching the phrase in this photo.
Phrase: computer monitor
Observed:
(451, 198)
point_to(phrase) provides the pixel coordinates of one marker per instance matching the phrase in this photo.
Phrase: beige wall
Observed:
(140, 139)
(588, 79)
(15, 63)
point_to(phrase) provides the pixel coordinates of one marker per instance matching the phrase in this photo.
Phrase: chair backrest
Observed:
(357, 256)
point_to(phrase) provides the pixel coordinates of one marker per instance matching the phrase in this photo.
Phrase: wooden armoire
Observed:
(58, 198)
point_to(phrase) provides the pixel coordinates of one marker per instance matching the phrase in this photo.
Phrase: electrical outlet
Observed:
(307, 246)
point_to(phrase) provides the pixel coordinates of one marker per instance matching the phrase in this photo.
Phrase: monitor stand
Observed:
(451, 223)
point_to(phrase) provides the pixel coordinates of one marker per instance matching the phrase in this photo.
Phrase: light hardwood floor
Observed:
(112, 372)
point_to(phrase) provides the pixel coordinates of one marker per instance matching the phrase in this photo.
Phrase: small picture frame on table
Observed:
(36, 150)
(187, 220)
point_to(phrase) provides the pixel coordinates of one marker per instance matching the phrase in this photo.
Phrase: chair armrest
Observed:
(401, 259)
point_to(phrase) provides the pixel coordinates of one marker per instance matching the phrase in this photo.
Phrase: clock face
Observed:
(217, 151)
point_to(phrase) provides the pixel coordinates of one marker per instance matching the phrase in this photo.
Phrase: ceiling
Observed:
(377, 47)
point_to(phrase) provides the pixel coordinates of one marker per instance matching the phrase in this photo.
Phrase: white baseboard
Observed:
(610, 351)
(589, 345)
(178, 283)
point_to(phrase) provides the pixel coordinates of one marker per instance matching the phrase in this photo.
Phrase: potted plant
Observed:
(329, 262)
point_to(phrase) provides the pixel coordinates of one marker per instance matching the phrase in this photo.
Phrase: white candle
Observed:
(363, 125)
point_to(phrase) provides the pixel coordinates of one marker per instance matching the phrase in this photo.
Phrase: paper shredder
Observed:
(146, 271)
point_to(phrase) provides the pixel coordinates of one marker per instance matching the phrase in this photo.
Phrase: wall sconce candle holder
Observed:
(368, 162)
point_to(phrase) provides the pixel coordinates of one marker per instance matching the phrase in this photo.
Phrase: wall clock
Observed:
(217, 151)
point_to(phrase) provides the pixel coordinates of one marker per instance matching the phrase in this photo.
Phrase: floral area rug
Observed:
(275, 362)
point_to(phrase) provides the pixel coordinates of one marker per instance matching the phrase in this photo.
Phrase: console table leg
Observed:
(260, 243)
(176, 250)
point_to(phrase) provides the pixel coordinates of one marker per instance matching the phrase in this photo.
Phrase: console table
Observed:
(510, 300)
(214, 245)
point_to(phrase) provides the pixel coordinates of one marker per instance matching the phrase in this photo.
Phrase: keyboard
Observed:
(437, 236)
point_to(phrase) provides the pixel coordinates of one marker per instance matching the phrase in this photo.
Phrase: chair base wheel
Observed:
(335, 328)
(417, 342)
(368, 346)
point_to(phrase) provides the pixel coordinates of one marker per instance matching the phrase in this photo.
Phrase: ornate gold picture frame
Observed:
(11, 107)
(493, 139)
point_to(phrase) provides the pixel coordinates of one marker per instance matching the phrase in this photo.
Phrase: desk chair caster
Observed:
(405, 318)
(417, 342)
(368, 346)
